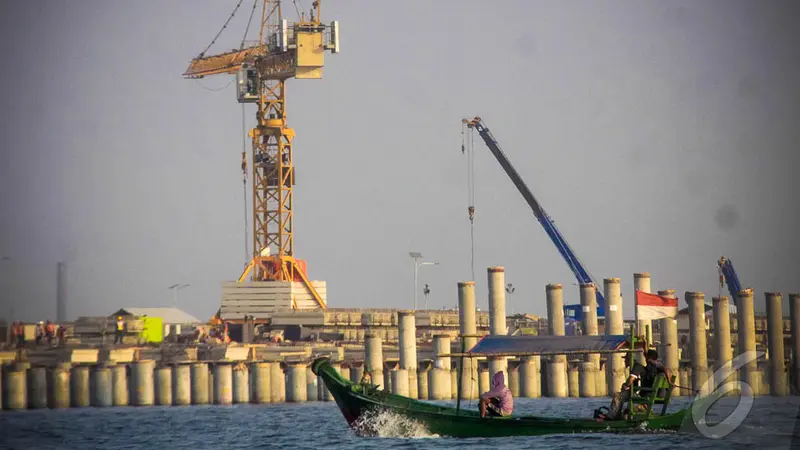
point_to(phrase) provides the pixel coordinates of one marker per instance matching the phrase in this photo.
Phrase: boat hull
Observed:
(357, 401)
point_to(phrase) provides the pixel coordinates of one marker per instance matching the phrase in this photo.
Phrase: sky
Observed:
(659, 136)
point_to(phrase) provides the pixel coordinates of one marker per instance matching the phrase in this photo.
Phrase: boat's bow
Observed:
(339, 388)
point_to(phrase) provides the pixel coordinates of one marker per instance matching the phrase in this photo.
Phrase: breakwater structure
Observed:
(390, 348)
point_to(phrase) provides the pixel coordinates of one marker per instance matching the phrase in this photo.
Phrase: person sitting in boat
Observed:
(498, 401)
(637, 371)
(640, 377)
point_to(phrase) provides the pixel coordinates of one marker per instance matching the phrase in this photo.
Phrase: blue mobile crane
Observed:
(727, 274)
(570, 311)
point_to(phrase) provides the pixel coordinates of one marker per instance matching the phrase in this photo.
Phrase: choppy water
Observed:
(770, 424)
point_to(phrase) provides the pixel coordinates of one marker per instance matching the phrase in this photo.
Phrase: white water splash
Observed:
(384, 423)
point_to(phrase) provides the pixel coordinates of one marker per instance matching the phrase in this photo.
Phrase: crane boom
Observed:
(728, 275)
(547, 223)
(229, 63)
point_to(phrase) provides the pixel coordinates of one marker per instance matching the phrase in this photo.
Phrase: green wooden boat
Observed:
(358, 401)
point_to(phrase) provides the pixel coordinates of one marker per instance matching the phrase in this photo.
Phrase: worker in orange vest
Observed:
(225, 337)
(49, 332)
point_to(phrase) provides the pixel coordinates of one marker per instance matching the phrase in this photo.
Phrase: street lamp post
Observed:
(417, 264)
(10, 303)
(510, 290)
(175, 288)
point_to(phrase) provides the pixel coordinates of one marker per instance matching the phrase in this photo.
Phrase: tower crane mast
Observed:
(284, 50)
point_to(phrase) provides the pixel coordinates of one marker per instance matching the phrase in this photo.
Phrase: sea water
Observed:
(770, 423)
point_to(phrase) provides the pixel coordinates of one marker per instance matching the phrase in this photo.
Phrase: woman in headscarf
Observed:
(498, 401)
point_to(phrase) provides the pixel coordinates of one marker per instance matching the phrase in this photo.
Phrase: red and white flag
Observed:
(652, 306)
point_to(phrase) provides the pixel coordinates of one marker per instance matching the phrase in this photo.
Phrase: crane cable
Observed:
(472, 201)
(467, 147)
(244, 137)
(244, 183)
(213, 89)
(221, 29)
(249, 21)
(297, 8)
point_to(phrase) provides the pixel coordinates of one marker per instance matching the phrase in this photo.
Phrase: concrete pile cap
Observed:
(405, 312)
(611, 280)
(553, 287)
(772, 294)
(723, 298)
(667, 292)
(794, 295)
(466, 283)
(641, 275)
(745, 292)
(587, 285)
(692, 294)
(496, 269)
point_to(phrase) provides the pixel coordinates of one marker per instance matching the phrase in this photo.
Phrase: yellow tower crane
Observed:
(284, 50)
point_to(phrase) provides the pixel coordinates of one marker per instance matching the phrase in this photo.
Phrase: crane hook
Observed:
(244, 166)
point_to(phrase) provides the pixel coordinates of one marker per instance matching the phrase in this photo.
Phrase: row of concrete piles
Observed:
(744, 366)
(441, 381)
(700, 376)
(588, 376)
(145, 383)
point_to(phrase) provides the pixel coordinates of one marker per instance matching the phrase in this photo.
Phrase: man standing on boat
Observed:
(498, 400)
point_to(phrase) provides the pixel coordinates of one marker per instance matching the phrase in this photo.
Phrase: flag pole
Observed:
(636, 314)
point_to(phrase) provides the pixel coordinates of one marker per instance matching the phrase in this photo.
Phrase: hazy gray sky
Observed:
(658, 135)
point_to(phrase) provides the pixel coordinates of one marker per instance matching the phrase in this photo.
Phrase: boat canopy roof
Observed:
(547, 345)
